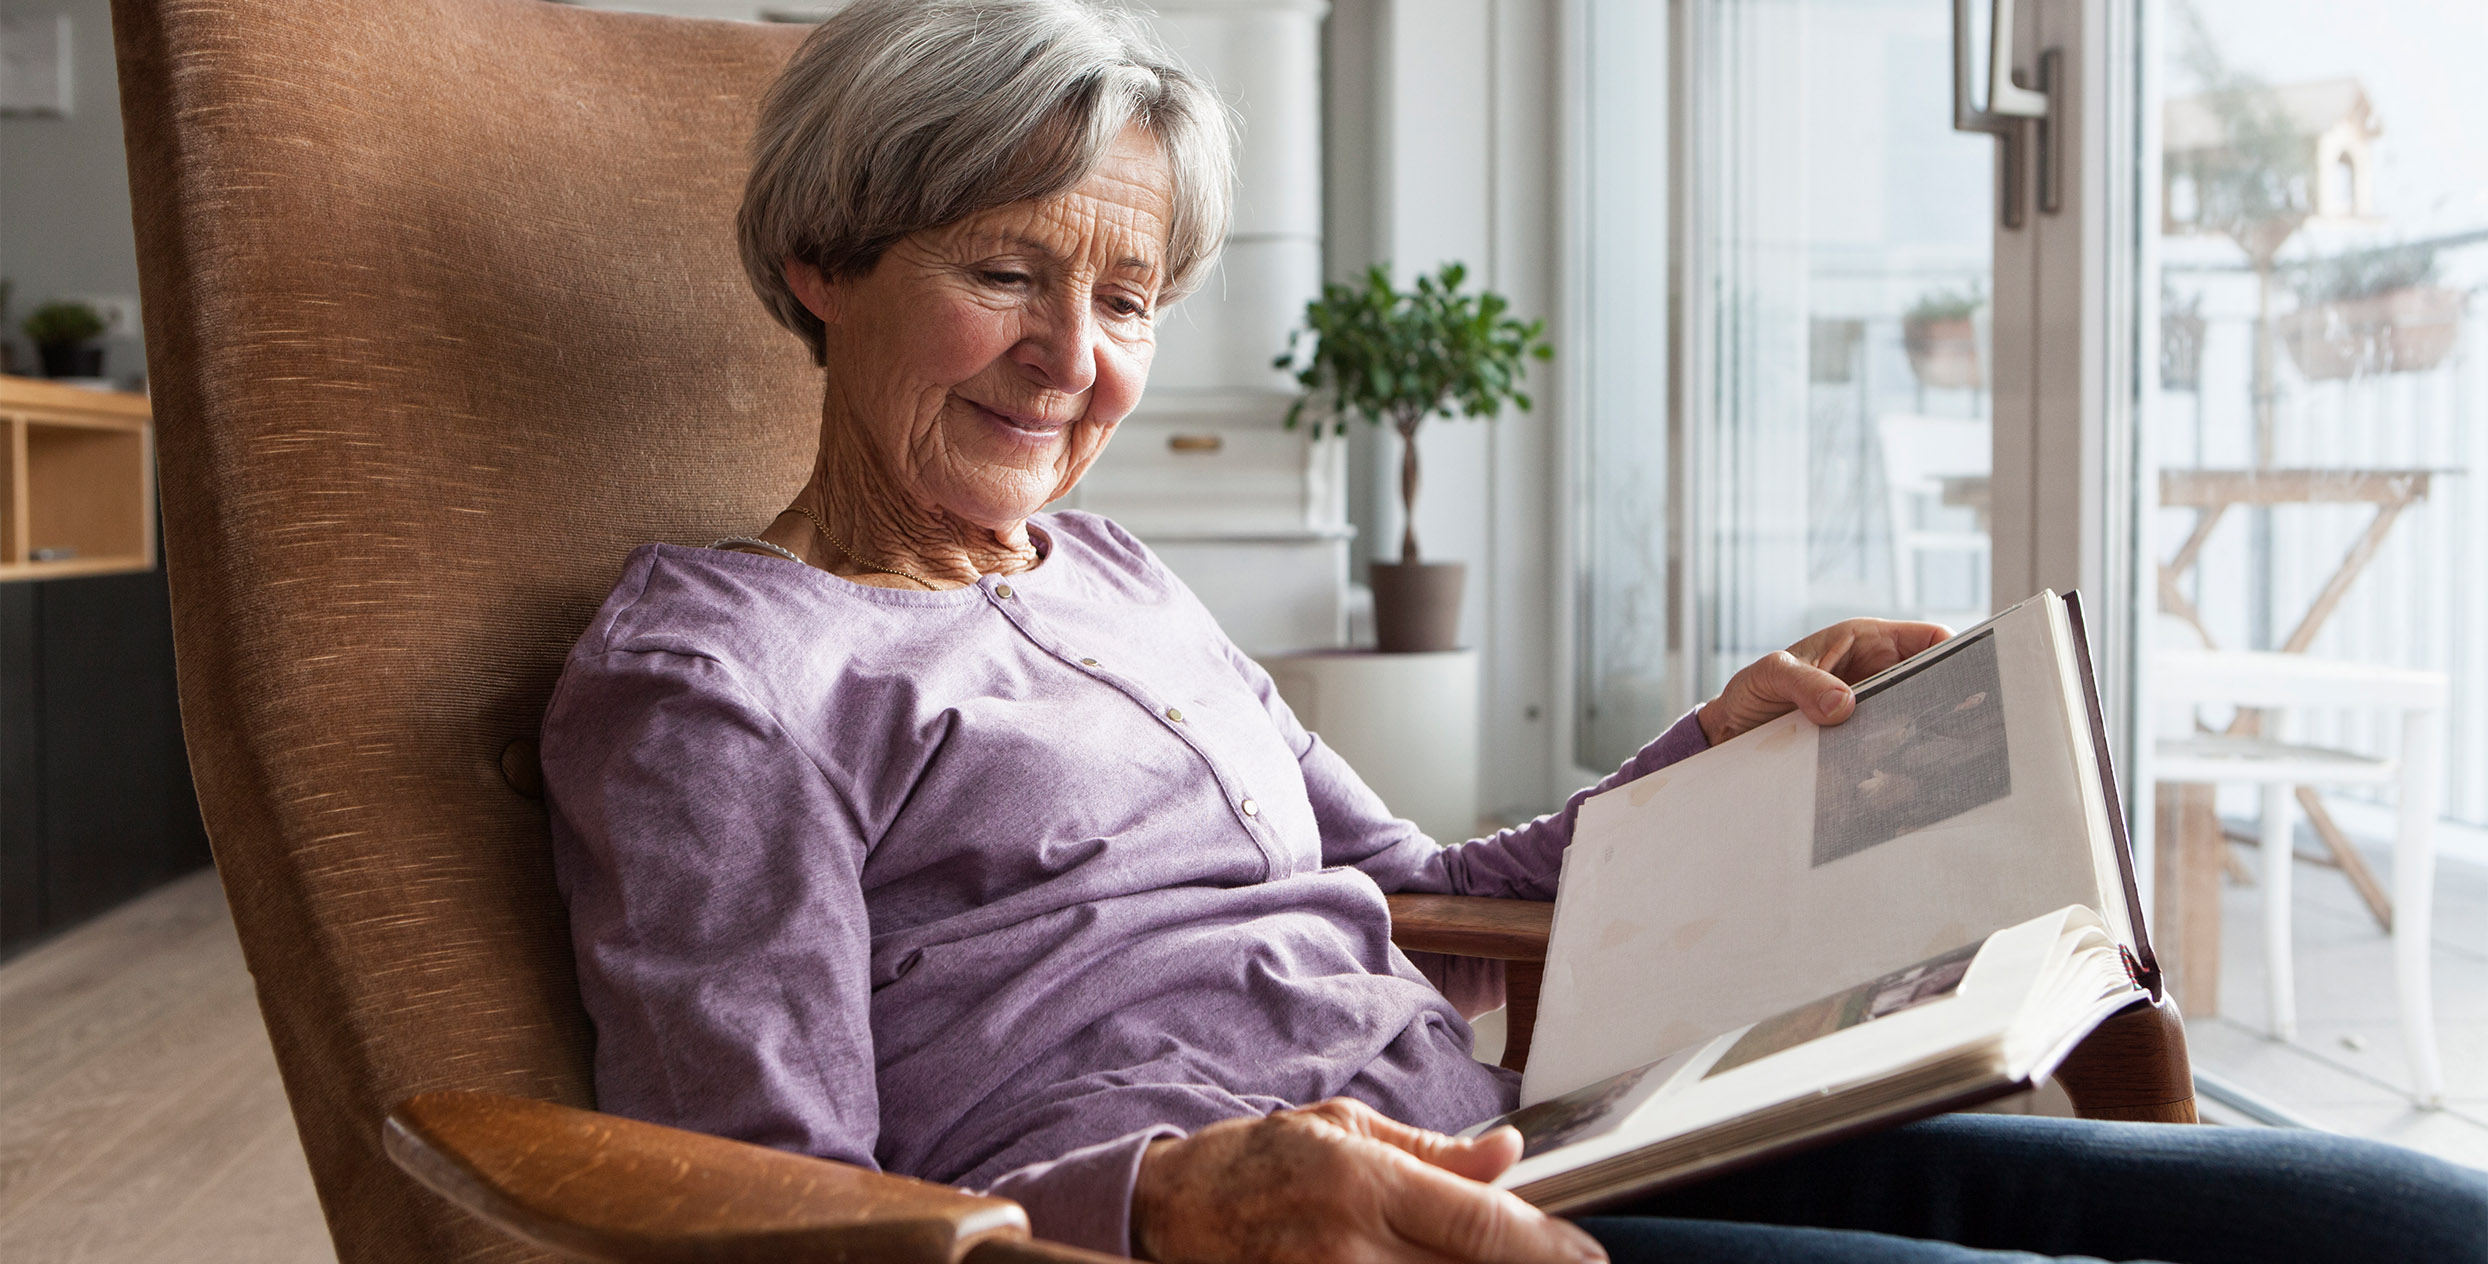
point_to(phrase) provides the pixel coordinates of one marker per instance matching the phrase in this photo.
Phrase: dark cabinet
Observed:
(95, 798)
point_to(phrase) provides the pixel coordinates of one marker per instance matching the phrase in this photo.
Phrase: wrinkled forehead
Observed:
(1119, 218)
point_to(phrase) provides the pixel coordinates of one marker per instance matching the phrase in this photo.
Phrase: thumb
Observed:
(1480, 1158)
(1825, 698)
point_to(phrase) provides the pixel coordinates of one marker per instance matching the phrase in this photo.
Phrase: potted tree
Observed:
(1941, 338)
(2373, 311)
(63, 332)
(1400, 357)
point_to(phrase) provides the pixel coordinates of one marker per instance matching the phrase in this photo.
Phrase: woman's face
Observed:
(987, 362)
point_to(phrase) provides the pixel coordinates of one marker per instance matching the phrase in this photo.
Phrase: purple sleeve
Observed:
(1083, 1198)
(713, 876)
(1524, 861)
(1518, 863)
(716, 913)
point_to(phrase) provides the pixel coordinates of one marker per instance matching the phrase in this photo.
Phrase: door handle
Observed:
(2009, 103)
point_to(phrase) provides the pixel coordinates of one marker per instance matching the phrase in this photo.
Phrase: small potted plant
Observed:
(1940, 338)
(64, 332)
(1400, 357)
(2371, 311)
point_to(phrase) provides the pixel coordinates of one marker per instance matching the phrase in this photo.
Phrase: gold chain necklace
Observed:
(835, 543)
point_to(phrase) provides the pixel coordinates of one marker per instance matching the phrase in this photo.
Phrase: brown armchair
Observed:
(444, 316)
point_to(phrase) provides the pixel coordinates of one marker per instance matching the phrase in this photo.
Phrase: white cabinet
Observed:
(1252, 516)
(1201, 464)
(1270, 593)
(1222, 338)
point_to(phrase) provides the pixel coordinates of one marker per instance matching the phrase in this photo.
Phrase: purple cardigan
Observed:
(991, 886)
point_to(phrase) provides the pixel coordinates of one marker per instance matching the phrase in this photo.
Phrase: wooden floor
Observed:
(141, 1121)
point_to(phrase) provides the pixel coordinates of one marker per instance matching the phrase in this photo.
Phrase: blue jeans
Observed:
(1959, 1189)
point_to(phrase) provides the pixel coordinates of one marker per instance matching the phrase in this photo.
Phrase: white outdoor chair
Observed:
(1919, 455)
(2277, 682)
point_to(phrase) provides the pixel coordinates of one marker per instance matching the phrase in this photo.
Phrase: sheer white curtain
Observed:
(1752, 267)
(1625, 620)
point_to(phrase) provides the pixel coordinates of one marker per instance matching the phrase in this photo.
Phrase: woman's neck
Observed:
(870, 530)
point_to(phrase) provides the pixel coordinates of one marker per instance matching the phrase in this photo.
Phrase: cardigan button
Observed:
(1175, 715)
(1251, 808)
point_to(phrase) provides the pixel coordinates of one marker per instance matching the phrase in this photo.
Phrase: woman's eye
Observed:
(1004, 276)
(1125, 307)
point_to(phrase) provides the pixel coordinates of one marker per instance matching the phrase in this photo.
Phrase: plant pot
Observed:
(71, 359)
(1942, 353)
(1417, 606)
(2399, 331)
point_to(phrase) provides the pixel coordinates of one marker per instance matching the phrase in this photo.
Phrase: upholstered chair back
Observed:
(443, 317)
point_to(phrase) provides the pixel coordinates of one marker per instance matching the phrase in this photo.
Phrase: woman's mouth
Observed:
(1031, 427)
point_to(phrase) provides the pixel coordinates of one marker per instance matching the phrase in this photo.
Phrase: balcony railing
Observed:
(2385, 419)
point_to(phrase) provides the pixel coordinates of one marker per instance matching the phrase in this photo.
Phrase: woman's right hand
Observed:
(1339, 1181)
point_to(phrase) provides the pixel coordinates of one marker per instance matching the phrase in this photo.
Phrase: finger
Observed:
(1477, 1158)
(1893, 641)
(1917, 638)
(1493, 1154)
(1837, 642)
(1465, 1220)
(1857, 648)
(1907, 640)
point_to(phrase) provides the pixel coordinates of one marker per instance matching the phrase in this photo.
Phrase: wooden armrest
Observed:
(2133, 1067)
(601, 1187)
(1471, 926)
(1510, 931)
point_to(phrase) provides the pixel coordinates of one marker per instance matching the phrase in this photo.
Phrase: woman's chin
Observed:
(1023, 469)
(1001, 504)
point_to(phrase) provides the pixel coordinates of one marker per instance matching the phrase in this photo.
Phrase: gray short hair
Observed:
(898, 116)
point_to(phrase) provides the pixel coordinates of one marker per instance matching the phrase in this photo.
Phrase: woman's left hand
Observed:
(1814, 675)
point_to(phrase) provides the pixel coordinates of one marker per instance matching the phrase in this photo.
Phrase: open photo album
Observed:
(1808, 932)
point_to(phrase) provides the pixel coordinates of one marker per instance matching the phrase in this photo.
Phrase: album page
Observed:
(1794, 861)
(1976, 1021)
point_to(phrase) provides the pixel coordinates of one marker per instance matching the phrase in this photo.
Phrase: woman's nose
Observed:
(1062, 347)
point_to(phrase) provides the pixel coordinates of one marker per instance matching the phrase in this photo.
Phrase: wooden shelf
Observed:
(78, 468)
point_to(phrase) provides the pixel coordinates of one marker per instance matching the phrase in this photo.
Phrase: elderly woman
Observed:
(929, 831)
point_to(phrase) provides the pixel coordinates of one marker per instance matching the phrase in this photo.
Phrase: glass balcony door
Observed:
(1809, 426)
(2315, 432)
(2225, 372)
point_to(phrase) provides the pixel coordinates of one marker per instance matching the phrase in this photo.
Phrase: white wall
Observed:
(65, 191)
